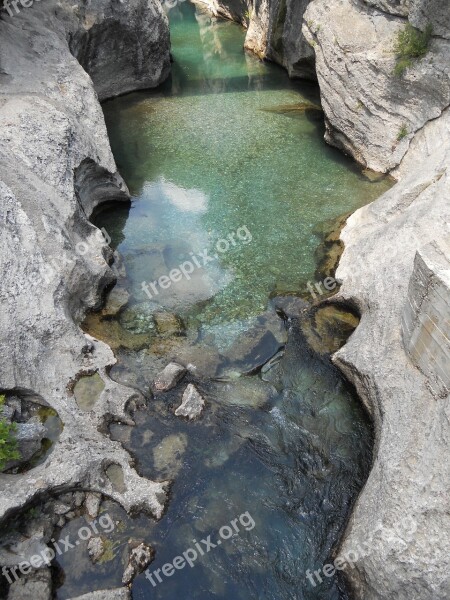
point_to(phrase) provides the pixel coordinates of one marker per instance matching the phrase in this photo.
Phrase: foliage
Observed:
(411, 44)
(8, 442)
(403, 132)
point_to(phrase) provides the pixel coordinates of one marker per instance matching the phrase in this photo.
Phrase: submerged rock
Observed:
(115, 594)
(168, 324)
(192, 403)
(168, 378)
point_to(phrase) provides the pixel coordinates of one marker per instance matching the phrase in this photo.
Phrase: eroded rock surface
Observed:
(56, 167)
(410, 478)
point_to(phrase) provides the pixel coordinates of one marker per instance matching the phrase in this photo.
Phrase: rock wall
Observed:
(56, 166)
(425, 320)
(410, 478)
(274, 31)
(372, 113)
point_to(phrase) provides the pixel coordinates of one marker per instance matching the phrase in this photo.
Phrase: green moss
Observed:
(411, 45)
(8, 442)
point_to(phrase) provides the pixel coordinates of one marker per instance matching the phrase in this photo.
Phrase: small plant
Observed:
(8, 442)
(411, 44)
(403, 132)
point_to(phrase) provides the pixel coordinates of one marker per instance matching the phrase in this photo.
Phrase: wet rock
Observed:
(168, 324)
(36, 586)
(168, 378)
(96, 548)
(329, 327)
(92, 504)
(192, 403)
(29, 438)
(141, 556)
(245, 391)
(117, 300)
(138, 319)
(88, 390)
(17, 549)
(255, 346)
(290, 306)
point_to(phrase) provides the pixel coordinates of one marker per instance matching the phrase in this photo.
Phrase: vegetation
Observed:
(8, 442)
(411, 44)
(403, 132)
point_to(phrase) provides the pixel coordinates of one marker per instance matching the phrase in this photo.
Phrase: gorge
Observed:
(394, 273)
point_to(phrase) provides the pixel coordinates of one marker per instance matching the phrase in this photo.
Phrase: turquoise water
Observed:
(222, 150)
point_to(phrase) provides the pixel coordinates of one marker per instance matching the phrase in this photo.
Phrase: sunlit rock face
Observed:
(274, 31)
(56, 168)
(395, 268)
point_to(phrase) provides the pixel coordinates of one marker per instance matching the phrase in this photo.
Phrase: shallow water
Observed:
(217, 151)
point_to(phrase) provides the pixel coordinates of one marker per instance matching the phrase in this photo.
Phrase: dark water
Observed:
(223, 148)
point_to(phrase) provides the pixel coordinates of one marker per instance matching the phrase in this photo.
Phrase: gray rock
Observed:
(192, 403)
(29, 438)
(92, 504)
(96, 548)
(61, 509)
(116, 594)
(366, 105)
(140, 558)
(56, 167)
(409, 485)
(116, 301)
(168, 378)
(37, 585)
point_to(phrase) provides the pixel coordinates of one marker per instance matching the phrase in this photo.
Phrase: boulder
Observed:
(140, 557)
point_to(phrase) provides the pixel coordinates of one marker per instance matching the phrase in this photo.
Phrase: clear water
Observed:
(215, 150)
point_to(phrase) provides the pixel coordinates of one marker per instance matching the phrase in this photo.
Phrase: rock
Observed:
(78, 499)
(96, 548)
(168, 455)
(37, 585)
(56, 169)
(168, 324)
(29, 438)
(168, 378)
(192, 403)
(274, 31)
(92, 504)
(140, 558)
(411, 419)
(289, 306)
(366, 104)
(252, 348)
(61, 509)
(116, 301)
(116, 594)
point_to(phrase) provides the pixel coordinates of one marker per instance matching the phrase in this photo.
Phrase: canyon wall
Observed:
(56, 167)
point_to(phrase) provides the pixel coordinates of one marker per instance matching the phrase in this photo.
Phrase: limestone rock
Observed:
(409, 485)
(56, 167)
(29, 438)
(96, 548)
(92, 504)
(192, 403)
(116, 594)
(36, 585)
(367, 106)
(168, 378)
(140, 558)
